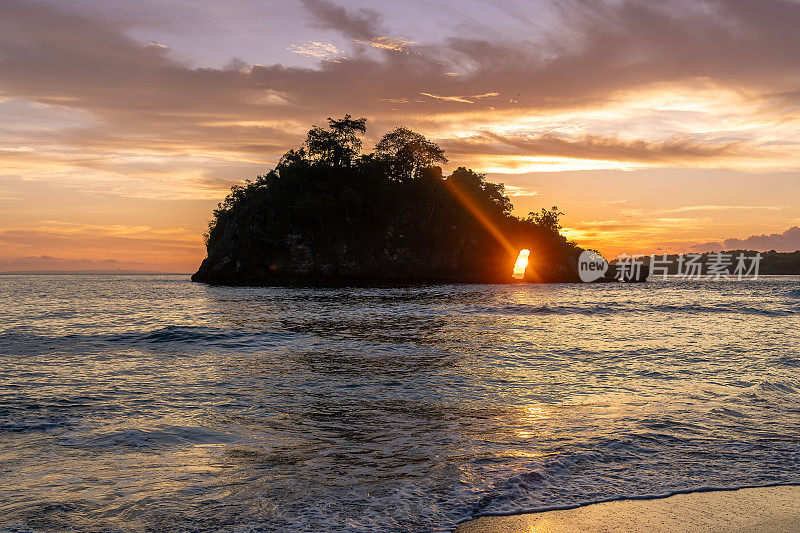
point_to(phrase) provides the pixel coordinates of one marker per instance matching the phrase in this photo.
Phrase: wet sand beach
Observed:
(768, 509)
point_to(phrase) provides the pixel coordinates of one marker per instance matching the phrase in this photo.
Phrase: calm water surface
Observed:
(147, 402)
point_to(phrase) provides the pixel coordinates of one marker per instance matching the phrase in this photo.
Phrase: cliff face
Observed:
(364, 258)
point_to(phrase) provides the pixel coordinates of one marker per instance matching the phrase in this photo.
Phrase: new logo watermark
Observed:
(591, 266)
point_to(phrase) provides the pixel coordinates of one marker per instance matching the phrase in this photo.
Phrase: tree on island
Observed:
(407, 153)
(329, 214)
(339, 145)
(547, 219)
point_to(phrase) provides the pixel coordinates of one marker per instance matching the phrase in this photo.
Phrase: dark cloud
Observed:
(788, 241)
(361, 25)
(592, 147)
(89, 237)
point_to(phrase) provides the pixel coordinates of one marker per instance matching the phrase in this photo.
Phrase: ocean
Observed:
(133, 403)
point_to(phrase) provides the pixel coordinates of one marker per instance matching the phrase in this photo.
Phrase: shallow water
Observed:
(149, 402)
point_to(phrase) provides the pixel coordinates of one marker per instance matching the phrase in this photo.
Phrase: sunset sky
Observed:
(654, 125)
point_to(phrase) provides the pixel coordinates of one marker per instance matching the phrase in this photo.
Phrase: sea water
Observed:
(132, 403)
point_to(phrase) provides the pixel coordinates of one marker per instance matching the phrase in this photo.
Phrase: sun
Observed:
(521, 264)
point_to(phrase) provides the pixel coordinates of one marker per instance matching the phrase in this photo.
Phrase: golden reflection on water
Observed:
(535, 411)
(526, 454)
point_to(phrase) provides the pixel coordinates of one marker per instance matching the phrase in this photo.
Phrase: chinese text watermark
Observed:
(712, 266)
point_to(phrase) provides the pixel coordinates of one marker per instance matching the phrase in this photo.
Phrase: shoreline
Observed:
(755, 509)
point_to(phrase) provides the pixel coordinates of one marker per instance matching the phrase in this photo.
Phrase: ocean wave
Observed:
(735, 309)
(794, 293)
(23, 342)
(779, 386)
(25, 426)
(156, 437)
(621, 309)
(222, 337)
(577, 478)
(545, 309)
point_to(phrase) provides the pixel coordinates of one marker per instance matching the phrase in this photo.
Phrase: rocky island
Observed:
(330, 215)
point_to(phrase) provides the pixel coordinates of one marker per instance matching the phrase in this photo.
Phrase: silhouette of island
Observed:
(330, 215)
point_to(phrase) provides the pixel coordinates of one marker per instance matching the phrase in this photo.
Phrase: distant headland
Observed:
(330, 215)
